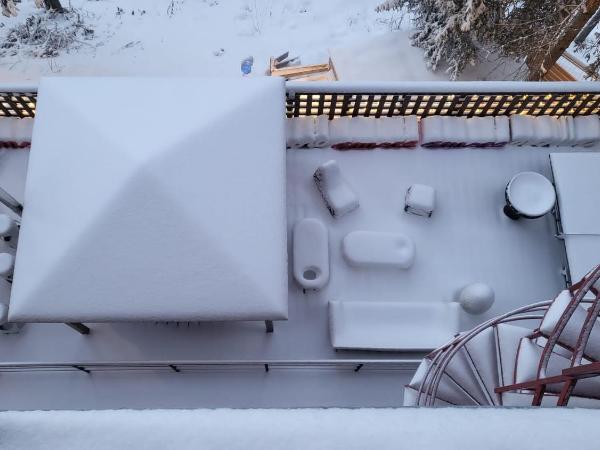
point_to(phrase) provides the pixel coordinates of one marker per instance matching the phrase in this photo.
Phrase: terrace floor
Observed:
(467, 239)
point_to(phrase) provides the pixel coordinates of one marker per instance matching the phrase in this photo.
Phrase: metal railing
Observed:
(178, 366)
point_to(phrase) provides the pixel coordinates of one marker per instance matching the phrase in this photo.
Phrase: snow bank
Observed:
(302, 429)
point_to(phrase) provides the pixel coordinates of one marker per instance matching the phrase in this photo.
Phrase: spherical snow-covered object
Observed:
(476, 298)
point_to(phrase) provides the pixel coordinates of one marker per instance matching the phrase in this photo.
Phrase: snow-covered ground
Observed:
(210, 38)
(331, 429)
(199, 37)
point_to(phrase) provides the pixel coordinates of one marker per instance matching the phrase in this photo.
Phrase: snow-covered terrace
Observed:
(468, 239)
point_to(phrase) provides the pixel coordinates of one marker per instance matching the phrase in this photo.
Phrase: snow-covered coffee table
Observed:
(154, 200)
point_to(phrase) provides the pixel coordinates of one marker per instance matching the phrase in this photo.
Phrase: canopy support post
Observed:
(269, 325)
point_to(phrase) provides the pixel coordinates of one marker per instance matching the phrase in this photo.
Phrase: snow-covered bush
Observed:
(45, 35)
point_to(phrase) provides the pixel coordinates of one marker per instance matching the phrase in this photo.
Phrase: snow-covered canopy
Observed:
(154, 199)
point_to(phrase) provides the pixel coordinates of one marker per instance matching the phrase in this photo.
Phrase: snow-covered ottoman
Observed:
(337, 194)
(311, 254)
(420, 200)
(392, 326)
(376, 249)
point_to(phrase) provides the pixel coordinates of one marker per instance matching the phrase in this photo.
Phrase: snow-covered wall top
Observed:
(463, 98)
(478, 98)
(441, 87)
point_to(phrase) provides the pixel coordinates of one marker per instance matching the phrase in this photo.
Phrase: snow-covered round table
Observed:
(153, 199)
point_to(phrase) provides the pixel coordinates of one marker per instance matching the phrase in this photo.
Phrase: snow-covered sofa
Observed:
(392, 326)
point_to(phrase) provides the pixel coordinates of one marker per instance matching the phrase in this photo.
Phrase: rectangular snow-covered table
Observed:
(577, 181)
(154, 200)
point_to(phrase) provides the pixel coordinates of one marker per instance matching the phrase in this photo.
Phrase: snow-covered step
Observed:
(570, 334)
(481, 353)
(411, 395)
(462, 372)
(448, 390)
(526, 367)
(508, 338)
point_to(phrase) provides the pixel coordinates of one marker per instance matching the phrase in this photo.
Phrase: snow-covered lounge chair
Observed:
(337, 194)
(392, 326)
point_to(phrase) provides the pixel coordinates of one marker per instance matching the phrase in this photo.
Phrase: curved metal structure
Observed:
(578, 368)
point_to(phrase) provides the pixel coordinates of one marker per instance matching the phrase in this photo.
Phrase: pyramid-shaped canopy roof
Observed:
(154, 199)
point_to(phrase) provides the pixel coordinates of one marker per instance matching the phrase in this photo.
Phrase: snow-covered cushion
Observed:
(363, 132)
(337, 194)
(339, 131)
(420, 200)
(378, 325)
(321, 137)
(455, 131)
(311, 254)
(411, 131)
(15, 132)
(300, 132)
(390, 131)
(432, 131)
(377, 249)
(587, 130)
(522, 129)
(481, 131)
(502, 131)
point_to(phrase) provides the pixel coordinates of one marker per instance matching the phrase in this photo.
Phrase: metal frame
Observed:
(441, 358)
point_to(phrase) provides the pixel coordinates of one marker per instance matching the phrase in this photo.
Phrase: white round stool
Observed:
(529, 195)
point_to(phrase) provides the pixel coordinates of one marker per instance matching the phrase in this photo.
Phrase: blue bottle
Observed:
(247, 65)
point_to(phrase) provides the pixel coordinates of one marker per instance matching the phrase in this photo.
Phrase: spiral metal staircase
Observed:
(544, 354)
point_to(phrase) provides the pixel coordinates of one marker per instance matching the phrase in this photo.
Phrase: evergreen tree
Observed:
(533, 33)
